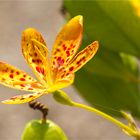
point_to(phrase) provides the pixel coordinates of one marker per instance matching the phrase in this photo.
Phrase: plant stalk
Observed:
(41, 107)
(108, 117)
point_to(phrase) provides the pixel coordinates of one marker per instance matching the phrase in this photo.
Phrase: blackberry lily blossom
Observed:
(53, 73)
(57, 71)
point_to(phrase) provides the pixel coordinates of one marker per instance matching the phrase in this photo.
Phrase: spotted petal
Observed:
(36, 54)
(83, 57)
(67, 73)
(20, 99)
(67, 43)
(18, 79)
(62, 81)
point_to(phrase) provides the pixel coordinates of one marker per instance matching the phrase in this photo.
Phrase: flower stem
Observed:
(115, 121)
(61, 97)
(41, 107)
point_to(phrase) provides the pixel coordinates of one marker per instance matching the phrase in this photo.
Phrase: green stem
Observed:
(115, 121)
(61, 97)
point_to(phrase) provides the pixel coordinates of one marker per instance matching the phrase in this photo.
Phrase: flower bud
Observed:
(61, 97)
(36, 130)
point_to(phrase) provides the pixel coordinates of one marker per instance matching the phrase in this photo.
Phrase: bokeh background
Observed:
(46, 16)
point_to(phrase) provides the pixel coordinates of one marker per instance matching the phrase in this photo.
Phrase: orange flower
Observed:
(53, 73)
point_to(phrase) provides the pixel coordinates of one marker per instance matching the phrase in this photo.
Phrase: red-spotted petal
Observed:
(83, 57)
(62, 82)
(36, 53)
(20, 99)
(18, 79)
(67, 43)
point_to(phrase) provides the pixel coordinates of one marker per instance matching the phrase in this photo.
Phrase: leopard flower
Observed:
(52, 73)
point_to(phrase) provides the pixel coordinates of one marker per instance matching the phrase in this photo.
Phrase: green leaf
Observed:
(108, 94)
(113, 23)
(112, 76)
(111, 64)
(36, 130)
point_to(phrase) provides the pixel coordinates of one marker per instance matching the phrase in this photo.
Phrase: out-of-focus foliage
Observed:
(110, 80)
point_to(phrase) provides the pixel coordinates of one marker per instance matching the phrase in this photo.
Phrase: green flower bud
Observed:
(61, 97)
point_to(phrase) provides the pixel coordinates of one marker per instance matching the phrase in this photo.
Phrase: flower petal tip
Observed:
(96, 44)
(29, 33)
(5, 102)
(80, 18)
(29, 30)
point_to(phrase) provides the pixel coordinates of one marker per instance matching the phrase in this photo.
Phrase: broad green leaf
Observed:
(112, 76)
(113, 23)
(111, 64)
(36, 130)
(108, 94)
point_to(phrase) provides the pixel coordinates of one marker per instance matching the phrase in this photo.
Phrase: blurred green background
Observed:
(112, 77)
